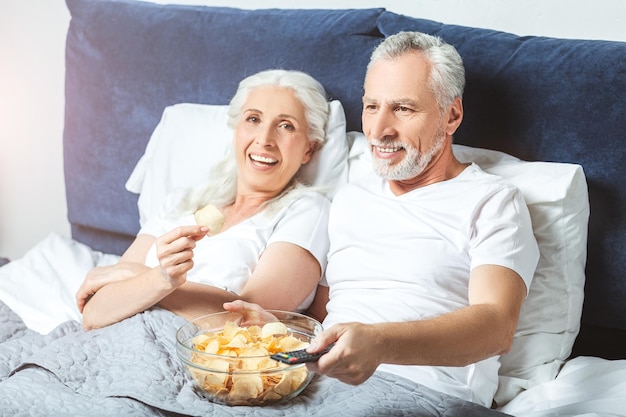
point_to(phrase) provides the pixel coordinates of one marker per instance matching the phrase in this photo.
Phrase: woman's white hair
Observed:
(220, 188)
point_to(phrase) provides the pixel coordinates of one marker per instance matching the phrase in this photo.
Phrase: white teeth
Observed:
(263, 159)
(387, 150)
(386, 146)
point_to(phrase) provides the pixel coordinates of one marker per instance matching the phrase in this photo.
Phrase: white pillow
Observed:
(556, 195)
(191, 138)
(40, 286)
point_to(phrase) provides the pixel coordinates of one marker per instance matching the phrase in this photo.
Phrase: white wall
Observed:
(32, 36)
(32, 195)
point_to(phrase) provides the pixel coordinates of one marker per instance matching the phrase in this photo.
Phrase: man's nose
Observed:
(379, 125)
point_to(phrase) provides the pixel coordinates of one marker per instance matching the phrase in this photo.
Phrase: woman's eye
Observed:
(252, 119)
(287, 126)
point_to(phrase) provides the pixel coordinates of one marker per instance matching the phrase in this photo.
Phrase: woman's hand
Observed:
(100, 276)
(175, 252)
(252, 314)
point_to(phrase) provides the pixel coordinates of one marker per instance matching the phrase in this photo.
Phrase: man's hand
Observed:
(355, 356)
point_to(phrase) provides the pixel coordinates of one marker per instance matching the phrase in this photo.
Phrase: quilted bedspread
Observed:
(131, 369)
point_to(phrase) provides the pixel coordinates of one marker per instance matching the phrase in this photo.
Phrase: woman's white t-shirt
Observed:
(227, 260)
(409, 257)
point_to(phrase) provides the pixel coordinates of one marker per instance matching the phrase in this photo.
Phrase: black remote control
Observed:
(299, 356)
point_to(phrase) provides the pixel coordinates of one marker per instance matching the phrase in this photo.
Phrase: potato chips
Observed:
(244, 373)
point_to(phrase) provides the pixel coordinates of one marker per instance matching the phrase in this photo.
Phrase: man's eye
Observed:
(403, 109)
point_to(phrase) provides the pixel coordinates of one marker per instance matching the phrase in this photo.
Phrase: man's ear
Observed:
(455, 116)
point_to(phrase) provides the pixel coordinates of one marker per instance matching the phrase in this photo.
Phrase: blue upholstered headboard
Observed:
(536, 98)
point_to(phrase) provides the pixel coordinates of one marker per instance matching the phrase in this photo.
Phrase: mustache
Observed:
(385, 143)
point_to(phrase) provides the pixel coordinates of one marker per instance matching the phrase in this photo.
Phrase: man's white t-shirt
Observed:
(408, 257)
(227, 260)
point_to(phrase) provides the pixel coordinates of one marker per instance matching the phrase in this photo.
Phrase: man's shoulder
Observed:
(476, 174)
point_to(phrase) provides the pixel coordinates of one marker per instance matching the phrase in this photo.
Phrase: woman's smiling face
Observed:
(271, 141)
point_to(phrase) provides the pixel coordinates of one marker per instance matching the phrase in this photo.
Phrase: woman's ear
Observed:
(312, 147)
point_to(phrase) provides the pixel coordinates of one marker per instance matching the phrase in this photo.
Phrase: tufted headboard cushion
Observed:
(540, 99)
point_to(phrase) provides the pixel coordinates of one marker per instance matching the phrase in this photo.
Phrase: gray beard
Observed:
(413, 163)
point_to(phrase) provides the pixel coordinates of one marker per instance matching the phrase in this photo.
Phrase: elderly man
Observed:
(430, 259)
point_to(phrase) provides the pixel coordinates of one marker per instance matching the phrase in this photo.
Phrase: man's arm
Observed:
(483, 329)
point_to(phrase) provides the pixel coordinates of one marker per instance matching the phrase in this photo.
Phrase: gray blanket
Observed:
(131, 369)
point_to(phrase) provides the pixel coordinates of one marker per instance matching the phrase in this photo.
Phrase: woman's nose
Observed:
(265, 136)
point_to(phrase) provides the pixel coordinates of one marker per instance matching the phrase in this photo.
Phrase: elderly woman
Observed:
(272, 246)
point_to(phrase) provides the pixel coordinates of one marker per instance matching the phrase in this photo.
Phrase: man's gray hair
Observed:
(447, 77)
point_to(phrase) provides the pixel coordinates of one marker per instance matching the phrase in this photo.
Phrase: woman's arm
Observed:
(119, 298)
(285, 275)
(317, 309)
(192, 300)
(130, 264)
(291, 266)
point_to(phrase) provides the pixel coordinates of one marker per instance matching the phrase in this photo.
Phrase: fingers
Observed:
(175, 249)
(323, 339)
(193, 232)
(339, 363)
(349, 360)
(252, 314)
(179, 240)
(319, 343)
(237, 306)
(240, 306)
(81, 300)
(176, 274)
(82, 296)
(91, 284)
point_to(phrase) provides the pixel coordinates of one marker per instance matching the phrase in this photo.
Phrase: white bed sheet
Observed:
(585, 386)
(40, 288)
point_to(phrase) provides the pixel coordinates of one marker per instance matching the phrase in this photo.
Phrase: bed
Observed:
(147, 83)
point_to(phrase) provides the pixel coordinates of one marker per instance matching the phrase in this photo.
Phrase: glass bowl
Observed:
(228, 357)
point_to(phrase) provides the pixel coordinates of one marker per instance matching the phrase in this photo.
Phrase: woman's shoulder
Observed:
(296, 202)
(314, 195)
(311, 198)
